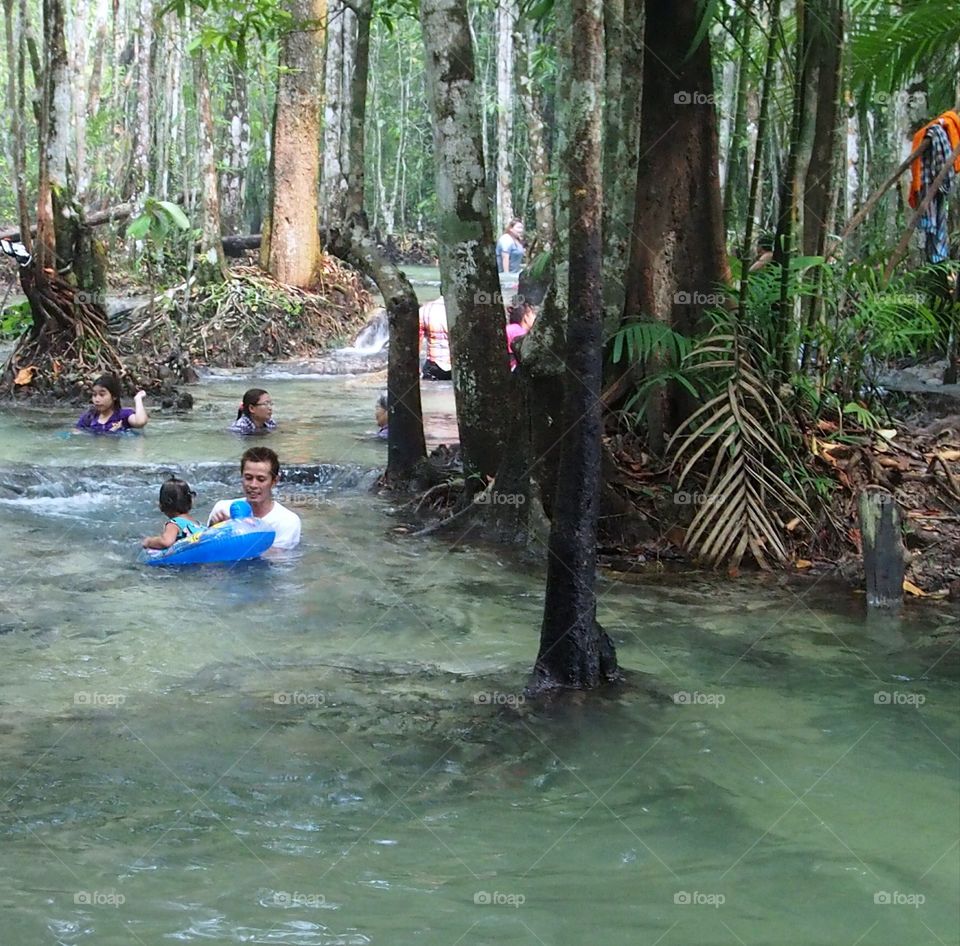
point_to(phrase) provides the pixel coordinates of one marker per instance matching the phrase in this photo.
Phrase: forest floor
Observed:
(916, 458)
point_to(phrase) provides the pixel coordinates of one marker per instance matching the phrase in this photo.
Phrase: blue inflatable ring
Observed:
(238, 538)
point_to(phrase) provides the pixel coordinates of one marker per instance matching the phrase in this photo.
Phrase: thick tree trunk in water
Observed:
(467, 265)
(293, 253)
(349, 236)
(574, 650)
(211, 263)
(55, 187)
(678, 255)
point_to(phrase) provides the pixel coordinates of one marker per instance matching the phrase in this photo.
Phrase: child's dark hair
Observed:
(517, 309)
(382, 401)
(250, 399)
(112, 383)
(176, 497)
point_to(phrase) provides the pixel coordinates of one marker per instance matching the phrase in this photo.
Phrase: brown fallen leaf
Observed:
(25, 375)
(803, 563)
(912, 589)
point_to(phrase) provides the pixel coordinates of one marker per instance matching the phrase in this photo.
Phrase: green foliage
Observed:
(641, 341)
(867, 324)
(158, 219)
(892, 43)
(229, 25)
(659, 351)
(15, 320)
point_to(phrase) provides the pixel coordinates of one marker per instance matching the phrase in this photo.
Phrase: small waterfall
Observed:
(373, 337)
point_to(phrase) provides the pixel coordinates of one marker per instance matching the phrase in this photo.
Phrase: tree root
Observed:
(251, 315)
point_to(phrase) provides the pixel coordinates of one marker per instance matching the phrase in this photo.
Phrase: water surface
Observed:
(330, 747)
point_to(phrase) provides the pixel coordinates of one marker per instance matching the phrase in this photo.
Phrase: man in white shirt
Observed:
(259, 471)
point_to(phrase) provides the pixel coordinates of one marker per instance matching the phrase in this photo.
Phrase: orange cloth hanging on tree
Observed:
(950, 121)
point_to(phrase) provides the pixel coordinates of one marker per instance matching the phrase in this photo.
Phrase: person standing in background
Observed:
(510, 253)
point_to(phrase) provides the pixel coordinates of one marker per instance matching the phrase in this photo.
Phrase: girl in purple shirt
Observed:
(107, 415)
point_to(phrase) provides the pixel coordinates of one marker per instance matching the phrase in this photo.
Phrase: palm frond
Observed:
(745, 490)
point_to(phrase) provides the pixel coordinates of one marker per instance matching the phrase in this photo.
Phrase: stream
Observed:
(332, 747)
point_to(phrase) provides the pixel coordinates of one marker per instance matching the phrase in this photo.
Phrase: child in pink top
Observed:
(522, 317)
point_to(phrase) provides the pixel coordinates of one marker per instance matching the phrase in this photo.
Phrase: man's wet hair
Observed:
(261, 455)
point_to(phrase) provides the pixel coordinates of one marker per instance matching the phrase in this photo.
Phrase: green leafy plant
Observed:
(660, 350)
(15, 320)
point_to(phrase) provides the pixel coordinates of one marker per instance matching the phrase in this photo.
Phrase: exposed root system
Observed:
(251, 317)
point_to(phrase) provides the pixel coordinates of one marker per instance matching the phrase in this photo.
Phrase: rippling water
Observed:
(331, 748)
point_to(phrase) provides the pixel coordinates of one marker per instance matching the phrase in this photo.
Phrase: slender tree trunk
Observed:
(678, 253)
(538, 142)
(820, 183)
(140, 164)
(787, 209)
(338, 70)
(468, 271)
(623, 35)
(505, 21)
(349, 236)
(574, 650)
(746, 249)
(233, 179)
(15, 105)
(735, 183)
(293, 253)
(55, 245)
(212, 266)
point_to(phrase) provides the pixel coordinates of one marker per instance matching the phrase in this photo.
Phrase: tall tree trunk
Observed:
(338, 71)
(678, 254)
(293, 251)
(574, 650)
(820, 184)
(211, 264)
(505, 21)
(787, 208)
(233, 179)
(623, 36)
(55, 238)
(467, 267)
(349, 236)
(735, 184)
(140, 163)
(69, 329)
(538, 141)
(15, 104)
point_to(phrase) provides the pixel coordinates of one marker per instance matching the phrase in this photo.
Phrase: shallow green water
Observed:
(328, 748)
